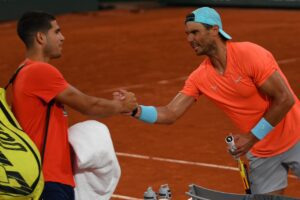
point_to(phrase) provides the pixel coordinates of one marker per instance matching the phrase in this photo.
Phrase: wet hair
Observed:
(32, 22)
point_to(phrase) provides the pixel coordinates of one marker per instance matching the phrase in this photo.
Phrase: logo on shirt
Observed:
(238, 79)
(214, 87)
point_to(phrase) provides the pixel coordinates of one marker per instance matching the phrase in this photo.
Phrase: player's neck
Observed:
(36, 55)
(219, 58)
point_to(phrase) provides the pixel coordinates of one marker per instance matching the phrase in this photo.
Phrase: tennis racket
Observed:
(241, 165)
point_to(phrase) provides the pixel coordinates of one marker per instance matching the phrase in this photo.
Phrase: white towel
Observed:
(96, 168)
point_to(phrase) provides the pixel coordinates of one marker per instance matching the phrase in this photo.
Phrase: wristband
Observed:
(262, 128)
(148, 114)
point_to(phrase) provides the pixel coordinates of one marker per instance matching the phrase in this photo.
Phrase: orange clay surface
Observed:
(147, 52)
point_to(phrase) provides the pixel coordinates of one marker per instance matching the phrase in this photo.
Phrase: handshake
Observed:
(126, 101)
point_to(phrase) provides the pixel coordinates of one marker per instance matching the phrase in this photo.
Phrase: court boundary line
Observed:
(183, 162)
(117, 196)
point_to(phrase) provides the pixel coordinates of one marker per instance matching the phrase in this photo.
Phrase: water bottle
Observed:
(150, 194)
(164, 192)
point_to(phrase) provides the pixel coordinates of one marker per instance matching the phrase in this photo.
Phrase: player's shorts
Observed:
(270, 174)
(53, 190)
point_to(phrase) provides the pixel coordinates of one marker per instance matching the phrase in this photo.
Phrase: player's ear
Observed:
(40, 38)
(215, 30)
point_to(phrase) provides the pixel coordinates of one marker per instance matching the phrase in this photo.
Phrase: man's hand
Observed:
(126, 99)
(244, 143)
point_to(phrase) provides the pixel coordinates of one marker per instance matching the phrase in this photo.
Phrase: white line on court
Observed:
(124, 197)
(182, 78)
(184, 162)
(290, 60)
(161, 82)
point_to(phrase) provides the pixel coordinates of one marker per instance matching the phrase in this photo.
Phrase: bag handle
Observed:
(11, 80)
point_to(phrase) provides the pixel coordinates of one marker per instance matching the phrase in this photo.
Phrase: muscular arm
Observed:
(89, 105)
(170, 113)
(282, 99)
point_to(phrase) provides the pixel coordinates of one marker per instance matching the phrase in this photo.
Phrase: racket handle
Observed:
(230, 142)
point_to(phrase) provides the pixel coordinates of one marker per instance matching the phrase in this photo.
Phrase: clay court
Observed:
(146, 51)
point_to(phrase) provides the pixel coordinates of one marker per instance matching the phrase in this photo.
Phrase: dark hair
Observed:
(32, 22)
(191, 18)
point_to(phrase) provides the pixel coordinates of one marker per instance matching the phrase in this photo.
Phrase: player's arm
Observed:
(165, 114)
(282, 100)
(95, 106)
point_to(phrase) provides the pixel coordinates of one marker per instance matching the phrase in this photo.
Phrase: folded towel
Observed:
(96, 168)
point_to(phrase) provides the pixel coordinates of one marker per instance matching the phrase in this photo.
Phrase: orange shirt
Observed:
(235, 92)
(36, 84)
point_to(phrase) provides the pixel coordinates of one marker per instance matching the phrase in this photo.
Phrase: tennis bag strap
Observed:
(46, 128)
(12, 79)
(47, 114)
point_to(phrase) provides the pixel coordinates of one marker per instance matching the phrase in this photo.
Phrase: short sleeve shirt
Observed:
(35, 86)
(236, 93)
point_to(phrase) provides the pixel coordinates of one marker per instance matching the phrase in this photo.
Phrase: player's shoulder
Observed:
(201, 68)
(247, 47)
(40, 67)
(204, 64)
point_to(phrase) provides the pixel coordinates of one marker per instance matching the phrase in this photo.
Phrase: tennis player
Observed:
(244, 80)
(39, 83)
